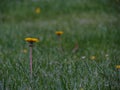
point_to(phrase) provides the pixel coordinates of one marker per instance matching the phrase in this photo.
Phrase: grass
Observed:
(94, 25)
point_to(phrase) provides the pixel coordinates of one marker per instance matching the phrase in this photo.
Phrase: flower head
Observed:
(58, 33)
(37, 10)
(31, 40)
(117, 66)
(93, 57)
(81, 89)
(24, 51)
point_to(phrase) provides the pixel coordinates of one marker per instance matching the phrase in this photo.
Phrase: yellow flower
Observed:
(24, 51)
(31, 40)
(58, 33)
(37, 10)
(93, 57)
(81, 89)
(118, 66)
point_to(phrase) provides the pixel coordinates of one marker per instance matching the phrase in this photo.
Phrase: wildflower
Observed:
(24, 51)
(93, 57)
(31, 40)
(58, 33)
(37, 10)
(117, 66)
(81, 89)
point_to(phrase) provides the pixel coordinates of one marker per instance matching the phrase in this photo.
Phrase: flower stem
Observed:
(60, 43)
(31, 62)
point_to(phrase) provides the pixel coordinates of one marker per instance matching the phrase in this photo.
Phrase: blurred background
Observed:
(82, 20)
(20, 10)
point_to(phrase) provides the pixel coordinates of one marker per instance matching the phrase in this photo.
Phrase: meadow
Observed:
(90, 44)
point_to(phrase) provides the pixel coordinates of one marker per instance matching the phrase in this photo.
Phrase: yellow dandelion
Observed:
(37, 10)
(118, 66)
(24, 51)
(93, 57)
(58, 33)
(31, 39)
(81, 89)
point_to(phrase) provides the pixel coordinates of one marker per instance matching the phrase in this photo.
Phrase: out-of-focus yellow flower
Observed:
(31, 39)
(24, 51)
(93, 57)
(58, 33)
(37, 10)
(118, 66)
(81, 89)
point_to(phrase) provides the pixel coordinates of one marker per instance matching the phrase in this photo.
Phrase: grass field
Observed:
(90, 26)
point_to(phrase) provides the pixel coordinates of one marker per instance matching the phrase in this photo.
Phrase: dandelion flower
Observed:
(58, 33)
(81, 89)
(24, 51)
(31, 40)
(37, 10)
(93, 57)
(118, 66)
